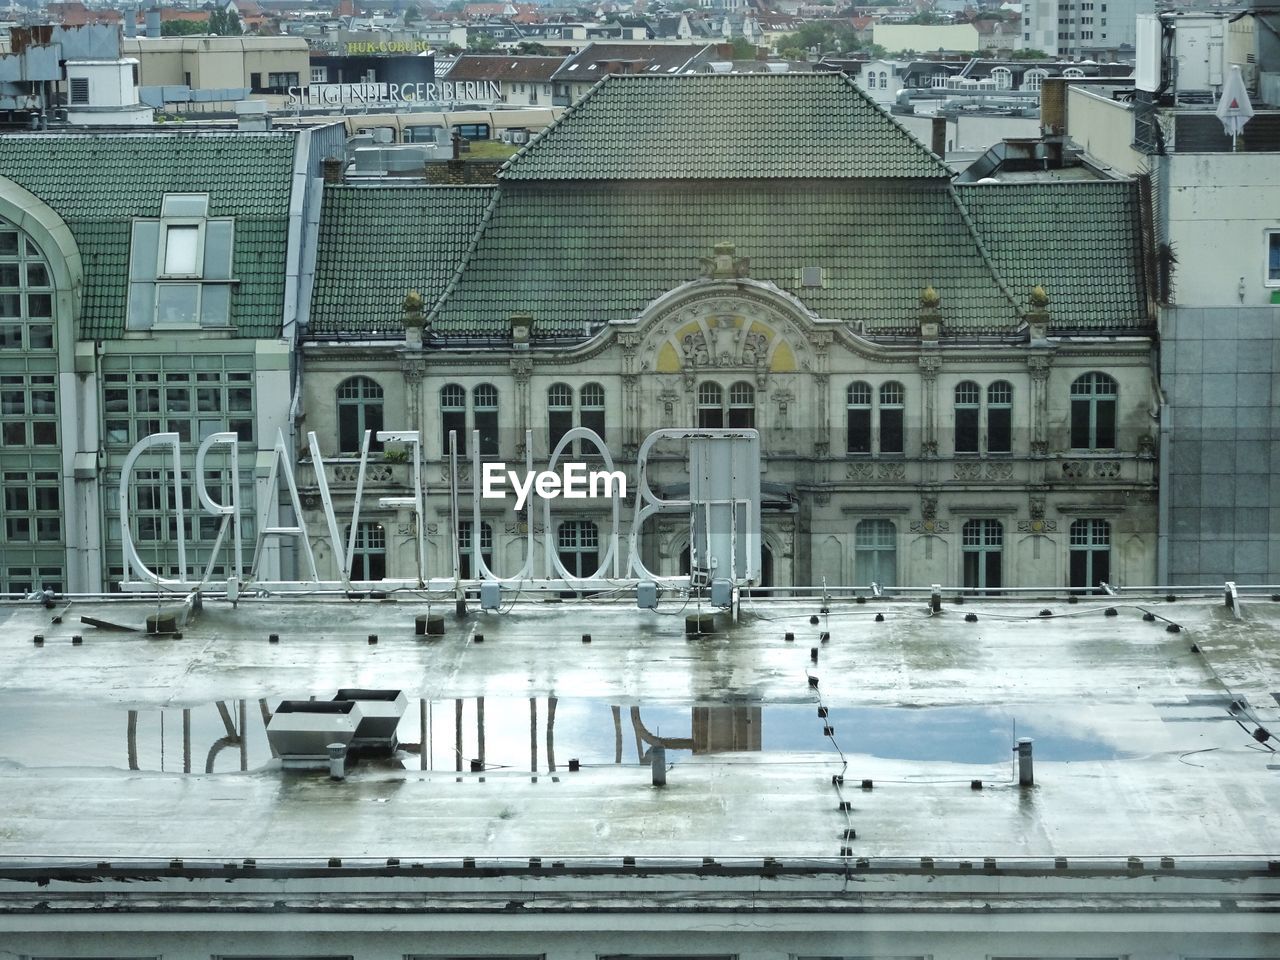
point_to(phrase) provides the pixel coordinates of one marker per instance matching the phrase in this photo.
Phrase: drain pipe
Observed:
(658, 760)
(1026, 776)
(337, 761)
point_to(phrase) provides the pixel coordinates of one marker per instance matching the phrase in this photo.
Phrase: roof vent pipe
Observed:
(337, 761)
(1026, 776)
(658, 760)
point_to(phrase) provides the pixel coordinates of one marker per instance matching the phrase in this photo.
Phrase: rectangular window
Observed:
(1000, 417)
(967, 429)
(875, 553)
(455, 422)
(181, 245)
(891, 430)
(559, 422)
(710, 418)
(1273, 258)
(485, 410)
(999, 430)
(981, 545)
(593, 419)
(859, 433)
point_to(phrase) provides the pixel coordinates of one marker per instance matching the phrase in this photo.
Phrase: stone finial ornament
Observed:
(413, 308)
(1039, 297)
(930, 299)
(724, 265)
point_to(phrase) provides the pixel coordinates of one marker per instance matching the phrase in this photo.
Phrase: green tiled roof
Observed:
(378, 243)
(98, 182)
(1081, 241)
(717, 126)
(575, 253)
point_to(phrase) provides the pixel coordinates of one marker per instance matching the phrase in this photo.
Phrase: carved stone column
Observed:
(413, 371)
(929, 368)
(1038, 366)
(632, 411)
(822, 436)
(521, 370)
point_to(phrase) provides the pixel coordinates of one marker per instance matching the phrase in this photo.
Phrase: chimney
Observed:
(252, 115)
(1053, 107)
(153, 22)
(938, 133)
(332, 168)
(130, 22)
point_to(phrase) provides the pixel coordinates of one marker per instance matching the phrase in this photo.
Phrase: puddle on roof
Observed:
(536, 736)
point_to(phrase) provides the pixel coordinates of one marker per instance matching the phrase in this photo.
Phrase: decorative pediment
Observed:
(724, 331)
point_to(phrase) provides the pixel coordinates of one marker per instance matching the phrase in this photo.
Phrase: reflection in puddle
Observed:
(535, 735)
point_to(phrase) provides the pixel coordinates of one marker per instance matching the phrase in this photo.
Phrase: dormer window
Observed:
(180, 266)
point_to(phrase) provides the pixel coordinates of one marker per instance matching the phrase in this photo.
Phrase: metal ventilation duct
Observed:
(380, 711)
(300, 731)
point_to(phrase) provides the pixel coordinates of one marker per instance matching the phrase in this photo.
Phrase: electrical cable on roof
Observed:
(1238, 702)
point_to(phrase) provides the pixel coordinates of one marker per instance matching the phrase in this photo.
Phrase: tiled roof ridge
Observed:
(382, 186)
(867, 98)
(983, 251)
(843, 80)
(229, 133)
(550, 129)
(465, 260)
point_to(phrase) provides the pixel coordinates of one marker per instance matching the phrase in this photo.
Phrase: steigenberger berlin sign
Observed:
(372, 94)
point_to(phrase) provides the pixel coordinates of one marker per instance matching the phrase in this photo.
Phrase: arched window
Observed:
(591, 408)
(484, 402)
(31, 487)
(1090, 553)
(578, 546)
(1033, 78)
(1000, 417)
(710, 406)
(559, 413)
(359, 409)
(465, 527)
(875, 548)
(858, 404)
(26, 294)
(884, 80)
(742, 405)
(981, 547)
(453, 418)
(1002, 77)
(968, 405)
(1093, 412)
(892, 402)
(369, 558)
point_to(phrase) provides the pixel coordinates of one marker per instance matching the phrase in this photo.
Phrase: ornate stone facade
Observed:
(867, 471)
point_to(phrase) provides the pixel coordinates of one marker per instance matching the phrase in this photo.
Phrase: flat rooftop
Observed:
(1148, 743)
